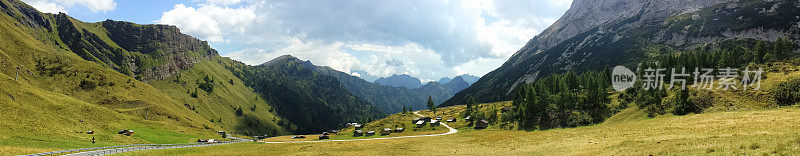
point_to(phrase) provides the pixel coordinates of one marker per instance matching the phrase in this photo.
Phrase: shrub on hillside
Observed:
(239, 111)
(87, 85)
(702, 99)
(193, 94)
(207, 84)
(787, 93)
(682, 104)
(651, 101)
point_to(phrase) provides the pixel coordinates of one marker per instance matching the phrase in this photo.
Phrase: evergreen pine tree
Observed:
(431, 106)
(682, 104)
(470, 103)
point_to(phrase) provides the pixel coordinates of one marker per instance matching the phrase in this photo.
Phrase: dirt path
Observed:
(136, 147)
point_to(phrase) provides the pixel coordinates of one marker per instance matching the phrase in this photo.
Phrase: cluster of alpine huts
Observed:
(325, 135)
(420, 122)
(476, 122)
(385, 131)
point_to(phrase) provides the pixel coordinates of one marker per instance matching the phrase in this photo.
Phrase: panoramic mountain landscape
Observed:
(546, 77)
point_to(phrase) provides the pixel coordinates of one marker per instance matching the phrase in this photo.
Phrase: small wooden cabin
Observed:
(298, 137)
(126, 132)
(434, 122)
(427, 119)
(333, 131)
(481, 124)
(505, 109)
(386, 131)
(420, 123)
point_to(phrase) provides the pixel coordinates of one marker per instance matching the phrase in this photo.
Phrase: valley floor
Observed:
(775, 131)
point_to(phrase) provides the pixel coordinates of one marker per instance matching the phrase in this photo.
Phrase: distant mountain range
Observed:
(444, 80)
(410, 82)
(470, 79)
(400, 81)
(387, 99)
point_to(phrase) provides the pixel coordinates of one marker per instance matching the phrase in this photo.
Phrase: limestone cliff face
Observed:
(170, 49)
(146, 52)
(596, 34)
(586, 14)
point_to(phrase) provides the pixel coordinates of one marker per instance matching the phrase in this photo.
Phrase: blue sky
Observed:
(428, 39)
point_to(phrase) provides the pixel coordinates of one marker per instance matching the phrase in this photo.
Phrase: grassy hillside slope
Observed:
(312, 101)
(148, 53)
(56, 90)
(219, 106)
(36, 120)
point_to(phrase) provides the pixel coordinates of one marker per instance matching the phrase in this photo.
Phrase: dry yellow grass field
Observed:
(721, 133)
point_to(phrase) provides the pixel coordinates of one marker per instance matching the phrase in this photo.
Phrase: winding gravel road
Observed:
(104, 151)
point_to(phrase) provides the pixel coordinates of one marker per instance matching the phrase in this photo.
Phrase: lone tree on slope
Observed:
(431, 106)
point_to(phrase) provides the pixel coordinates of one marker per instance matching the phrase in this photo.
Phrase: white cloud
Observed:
(224, 2)
(209, 22)
(428, 39)
(46, 6)
(318, 53)
(505, 36)
(55, 6)
(94, 5)
(479, 66)
(412, 59)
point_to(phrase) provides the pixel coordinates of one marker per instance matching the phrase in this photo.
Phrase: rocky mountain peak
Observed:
(400, 81)
(283, 59)
(587, 14)
(278, 59)
(596, 34)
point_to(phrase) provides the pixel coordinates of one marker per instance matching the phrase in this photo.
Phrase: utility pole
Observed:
(15, 77)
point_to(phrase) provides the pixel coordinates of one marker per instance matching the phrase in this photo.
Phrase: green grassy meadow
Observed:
(738, 123)
(753, 132)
